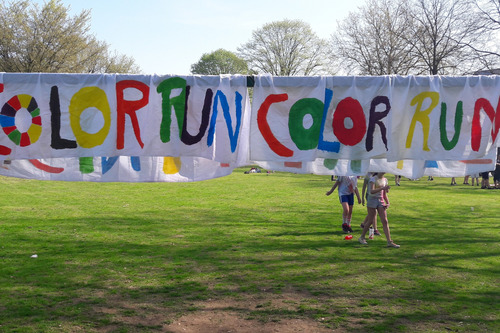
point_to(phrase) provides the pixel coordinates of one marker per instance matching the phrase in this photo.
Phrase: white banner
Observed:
(443, 126)
(360, 118)
(74, 115)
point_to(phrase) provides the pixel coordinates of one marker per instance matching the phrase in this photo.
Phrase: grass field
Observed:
(264, 249)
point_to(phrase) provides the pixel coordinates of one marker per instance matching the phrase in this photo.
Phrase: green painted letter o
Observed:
(305, 138)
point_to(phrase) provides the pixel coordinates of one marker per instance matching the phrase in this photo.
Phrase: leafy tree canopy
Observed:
(220, 62)
(48, 39)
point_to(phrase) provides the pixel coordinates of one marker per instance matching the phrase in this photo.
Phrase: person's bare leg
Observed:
(372, 214)
(383, 217)
(345, 211)
(385, 223)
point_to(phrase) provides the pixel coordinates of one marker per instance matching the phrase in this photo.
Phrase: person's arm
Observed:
(333, 188)
(363, 191)
(374, 190)
(357, 194)
(386, 199)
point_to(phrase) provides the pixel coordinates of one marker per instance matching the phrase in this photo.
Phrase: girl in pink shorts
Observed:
(378, 202)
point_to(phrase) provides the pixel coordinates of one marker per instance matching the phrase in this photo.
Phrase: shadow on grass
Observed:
(101, 272)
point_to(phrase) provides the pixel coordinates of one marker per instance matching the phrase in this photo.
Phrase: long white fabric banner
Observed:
(360, 118)
(187, 128)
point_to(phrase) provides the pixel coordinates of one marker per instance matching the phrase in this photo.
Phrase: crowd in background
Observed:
(485, 177)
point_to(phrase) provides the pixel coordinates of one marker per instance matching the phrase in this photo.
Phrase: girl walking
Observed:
(378, 202)
(348, 186)
(364, 195)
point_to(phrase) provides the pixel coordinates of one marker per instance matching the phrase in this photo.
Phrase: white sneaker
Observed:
(362, 241)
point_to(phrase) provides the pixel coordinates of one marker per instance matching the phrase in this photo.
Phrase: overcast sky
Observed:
(167, 36)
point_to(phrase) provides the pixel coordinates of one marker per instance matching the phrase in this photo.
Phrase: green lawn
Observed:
(118, 257)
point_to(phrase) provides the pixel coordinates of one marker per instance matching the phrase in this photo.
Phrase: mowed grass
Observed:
(119, 257)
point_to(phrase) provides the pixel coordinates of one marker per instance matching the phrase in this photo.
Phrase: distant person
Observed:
(397, 180)
(474, 178)
(378, 202)
(485, 179)
(466, 180)
(453, 181)
(348, 186)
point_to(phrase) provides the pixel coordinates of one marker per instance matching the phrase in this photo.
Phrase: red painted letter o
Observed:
(349, 108)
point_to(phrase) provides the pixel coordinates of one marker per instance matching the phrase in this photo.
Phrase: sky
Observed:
(168, 36)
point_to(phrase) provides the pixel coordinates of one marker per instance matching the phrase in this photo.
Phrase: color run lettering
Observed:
(96, 99)
(305, 138)
(313, 136)
(130, 108)
(306, 120)
(422, 116)
(484, 104)
(186, 137)
(89, 97)
(178, 102)
(376, 119)
(349, 108)
(322, 144)
(459, 114)
(55, 118)
(264, 128)
(233, 135)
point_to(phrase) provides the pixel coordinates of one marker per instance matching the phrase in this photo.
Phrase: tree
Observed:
(47, 39)
(490, 10)
(220, 62)
(372, 41)
(443, 33)
(414, 37)
(285, 48)
(489, 54)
